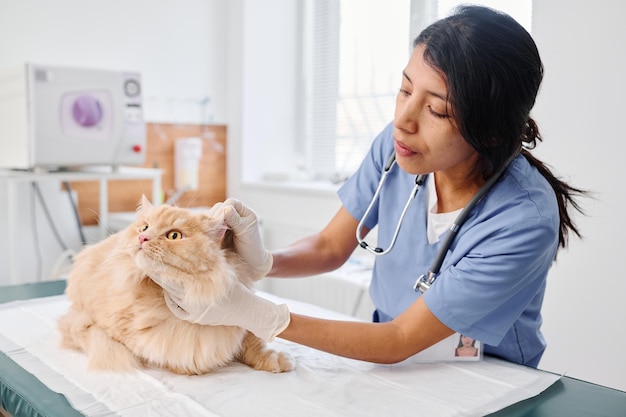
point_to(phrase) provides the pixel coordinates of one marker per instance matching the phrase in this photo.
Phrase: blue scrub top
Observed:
(492, 281)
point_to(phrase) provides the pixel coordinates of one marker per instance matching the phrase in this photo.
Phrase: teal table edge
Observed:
(34, 290)
(21, 393)
(567, 397)
(570, 397)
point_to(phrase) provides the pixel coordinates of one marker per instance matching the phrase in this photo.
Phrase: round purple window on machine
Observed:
(87, 111)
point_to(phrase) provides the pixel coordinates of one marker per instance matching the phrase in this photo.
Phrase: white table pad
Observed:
(321, 385)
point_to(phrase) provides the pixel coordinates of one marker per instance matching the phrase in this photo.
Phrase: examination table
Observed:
(38, 379)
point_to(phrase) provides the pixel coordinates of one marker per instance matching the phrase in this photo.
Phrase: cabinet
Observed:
(161, 140)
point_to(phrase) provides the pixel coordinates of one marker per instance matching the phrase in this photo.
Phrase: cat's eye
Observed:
(144, 228)
(174, 235)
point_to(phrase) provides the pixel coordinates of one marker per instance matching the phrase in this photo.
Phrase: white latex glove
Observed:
(241, 308)
(244, 223)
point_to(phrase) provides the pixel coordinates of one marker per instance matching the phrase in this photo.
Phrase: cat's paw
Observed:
(285, 362)
(277, 361)
(255, 354)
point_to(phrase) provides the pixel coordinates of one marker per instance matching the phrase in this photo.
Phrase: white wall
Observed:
(178, 46)
(579, 111)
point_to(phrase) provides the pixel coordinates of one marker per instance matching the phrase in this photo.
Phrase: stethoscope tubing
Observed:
(462, 217)
(424, 282)
(419, 180)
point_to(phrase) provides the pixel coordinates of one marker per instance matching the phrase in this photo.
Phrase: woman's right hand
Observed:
(242, 308)
(244, 223)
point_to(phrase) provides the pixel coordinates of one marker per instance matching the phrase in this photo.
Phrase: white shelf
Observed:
(103, 174)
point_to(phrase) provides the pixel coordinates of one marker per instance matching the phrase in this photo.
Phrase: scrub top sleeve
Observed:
(357, 192)
(501, 275)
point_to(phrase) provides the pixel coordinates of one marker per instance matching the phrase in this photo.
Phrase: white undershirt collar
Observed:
(437, 223)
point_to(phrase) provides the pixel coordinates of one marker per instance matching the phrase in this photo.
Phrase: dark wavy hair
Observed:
(493, 72)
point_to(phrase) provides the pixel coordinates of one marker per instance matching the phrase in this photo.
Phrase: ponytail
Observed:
(566, 195)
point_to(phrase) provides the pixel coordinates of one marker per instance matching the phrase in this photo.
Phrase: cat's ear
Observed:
(221, 229)
(215, 227)
(144, 204)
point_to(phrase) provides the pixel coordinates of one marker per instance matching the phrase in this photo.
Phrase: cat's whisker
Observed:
(192, 200)
(98, 219)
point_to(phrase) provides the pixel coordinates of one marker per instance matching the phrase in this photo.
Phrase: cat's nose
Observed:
(143, 238)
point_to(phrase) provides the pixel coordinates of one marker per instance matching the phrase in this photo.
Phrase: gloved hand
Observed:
(247, 235)
(241, 308)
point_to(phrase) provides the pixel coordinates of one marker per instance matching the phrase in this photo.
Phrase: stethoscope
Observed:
(425, 281)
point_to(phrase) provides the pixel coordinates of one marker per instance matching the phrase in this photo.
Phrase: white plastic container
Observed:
(187, 154)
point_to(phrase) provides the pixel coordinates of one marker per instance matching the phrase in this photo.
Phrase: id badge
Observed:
(455, 348)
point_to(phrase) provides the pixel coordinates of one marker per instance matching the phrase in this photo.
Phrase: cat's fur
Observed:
(118, 314)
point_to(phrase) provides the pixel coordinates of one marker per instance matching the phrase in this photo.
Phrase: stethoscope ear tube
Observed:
(390, 162)
(419, 180)
(376, 251)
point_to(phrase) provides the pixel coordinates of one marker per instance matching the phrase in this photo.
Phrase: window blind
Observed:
(353, 55)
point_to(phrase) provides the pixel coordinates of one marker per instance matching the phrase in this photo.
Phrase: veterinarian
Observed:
(462, 119)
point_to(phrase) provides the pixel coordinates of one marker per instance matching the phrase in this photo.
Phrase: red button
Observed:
(137, 148)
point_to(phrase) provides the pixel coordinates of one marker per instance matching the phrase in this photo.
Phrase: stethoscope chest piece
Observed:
(424, 282)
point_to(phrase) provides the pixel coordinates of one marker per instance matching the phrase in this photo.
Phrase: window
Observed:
(353, 53)
(352, 57)
(319, 80)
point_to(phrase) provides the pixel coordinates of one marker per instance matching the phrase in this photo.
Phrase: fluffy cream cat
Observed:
(118, 315)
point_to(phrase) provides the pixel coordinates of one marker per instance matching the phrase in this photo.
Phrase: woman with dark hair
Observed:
(462, 118)
(466, 346)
